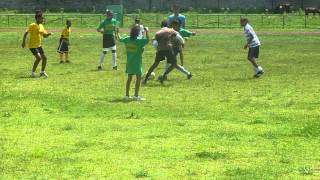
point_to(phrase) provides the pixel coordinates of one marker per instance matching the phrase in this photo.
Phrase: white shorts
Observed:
(113, 48)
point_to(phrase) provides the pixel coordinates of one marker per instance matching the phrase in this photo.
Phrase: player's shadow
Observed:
(114, 100)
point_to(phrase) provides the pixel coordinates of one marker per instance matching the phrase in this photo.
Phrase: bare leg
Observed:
(181, 58)
(137, 88)
(44, 62)
(61, 57)
(128, 85)
(253, 62)
(36, 62)
(153, 66)
(66, 54)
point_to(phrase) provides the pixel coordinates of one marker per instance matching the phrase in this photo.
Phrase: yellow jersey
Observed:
(66, 33)
(36, 32)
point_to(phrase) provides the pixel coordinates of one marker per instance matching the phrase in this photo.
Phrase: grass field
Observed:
(220, 124)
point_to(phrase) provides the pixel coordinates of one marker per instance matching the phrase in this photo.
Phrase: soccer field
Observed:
(222, 123)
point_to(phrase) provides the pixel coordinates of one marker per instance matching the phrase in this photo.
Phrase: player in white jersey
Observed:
(254, 45)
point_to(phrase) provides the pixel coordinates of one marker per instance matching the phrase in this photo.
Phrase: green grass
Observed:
(220, 124)
(269, 21)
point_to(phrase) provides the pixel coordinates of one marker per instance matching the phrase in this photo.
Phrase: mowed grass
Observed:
(220, 124)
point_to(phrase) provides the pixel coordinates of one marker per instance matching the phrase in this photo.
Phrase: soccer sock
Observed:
(167, 66)
(184, 70)
(114, 59)
(103, 55)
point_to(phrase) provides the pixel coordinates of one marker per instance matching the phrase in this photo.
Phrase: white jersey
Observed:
(250, 34)
(141, 33)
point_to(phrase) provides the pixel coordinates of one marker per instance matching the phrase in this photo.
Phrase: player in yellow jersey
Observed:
(63, 47)
(36, 31)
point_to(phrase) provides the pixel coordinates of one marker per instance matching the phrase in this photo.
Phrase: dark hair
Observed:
(37, 16)
(68, 21)
(176, 22)
(164, 23)
(134, 33)
(137, 20)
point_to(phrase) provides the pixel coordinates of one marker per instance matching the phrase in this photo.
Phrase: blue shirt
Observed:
(181, 18)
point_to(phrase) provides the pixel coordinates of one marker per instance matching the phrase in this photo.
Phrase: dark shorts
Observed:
(37, 50)
(176, 51)
(108, 40)
(166, 54)
(63, 46)
(253, 52)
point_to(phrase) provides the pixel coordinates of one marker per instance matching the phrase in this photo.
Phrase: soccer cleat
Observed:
(33, 75)
(189, 76)
(161, 79)
(258, 74)
(99, 68)
(127, 98)
(61, 62)
(44, 74)
(138, 98)
(115, 68)
(67, 61)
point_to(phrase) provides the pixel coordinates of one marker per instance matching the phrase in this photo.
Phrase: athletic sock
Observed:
(114, 59)
(103, 55)
(184, 71)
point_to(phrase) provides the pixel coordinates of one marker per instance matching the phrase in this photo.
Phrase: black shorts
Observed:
(37, 50)
(253, 52)
(166, 54)
(108, 40)
(63, 46)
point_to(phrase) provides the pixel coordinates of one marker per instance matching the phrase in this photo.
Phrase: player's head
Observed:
(109, 14)
(243, 21)
(137, 20)
(134, 32)
(175, 25)
(38, 18)
(164, 23)
(68, 23)
(38, 12)
(176, 9)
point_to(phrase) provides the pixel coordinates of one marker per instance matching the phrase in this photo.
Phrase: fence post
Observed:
(8, 20)
(218, 21)
(262, 20)
(305, 21)
(157, 20)
(81, 19)
(283, 21)
(26, 20)
(197, 20)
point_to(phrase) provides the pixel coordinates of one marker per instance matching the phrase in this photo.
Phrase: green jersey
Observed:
(185, 33)
(108, 26)
(134, 50)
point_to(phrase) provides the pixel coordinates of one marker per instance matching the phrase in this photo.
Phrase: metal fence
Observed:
(153, 20)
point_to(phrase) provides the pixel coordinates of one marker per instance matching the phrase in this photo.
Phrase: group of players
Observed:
(168, 41)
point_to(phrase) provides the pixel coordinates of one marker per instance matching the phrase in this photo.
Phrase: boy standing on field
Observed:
(177, 16)
(254, 44)
(134, 47)
(110, 31)
(63, 47)
(36, 31)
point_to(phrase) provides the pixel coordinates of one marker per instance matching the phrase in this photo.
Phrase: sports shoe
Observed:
(127, 98)
(258, 74)
(189, 76)
(115, 68)
(33, 75)
(138, 98)
(99, 68)
(44, 74)
(61, 62)
(67, 61)
(161, 79)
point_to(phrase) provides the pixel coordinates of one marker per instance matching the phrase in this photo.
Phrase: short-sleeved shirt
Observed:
(36, 32)
(108, 26)
(177, 42)
(249, 33)
(134, 50)
(185, 33)
(66, 33)
(181, 18)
